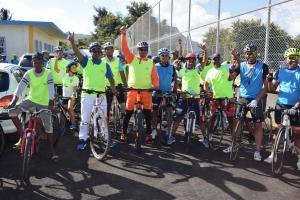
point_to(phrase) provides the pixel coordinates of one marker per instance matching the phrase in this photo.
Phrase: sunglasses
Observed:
(190, 58)
(142, 49)
(164, 55)
(96, 51)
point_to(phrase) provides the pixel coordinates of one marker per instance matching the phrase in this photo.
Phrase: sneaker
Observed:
(154, 133)
(269, 159)
(171, 140)
(18, 144)
(257, 156)
(149, 139)
(81, 145)
(113, 144)
(228, 149)
(205, 142)
(123, 138)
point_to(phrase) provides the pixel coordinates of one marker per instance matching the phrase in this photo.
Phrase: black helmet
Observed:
(250, 47)
(142, 44)
(94, 45)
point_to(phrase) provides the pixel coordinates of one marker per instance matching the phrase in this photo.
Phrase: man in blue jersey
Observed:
(167, 76)
(288, 80)
(253, 88)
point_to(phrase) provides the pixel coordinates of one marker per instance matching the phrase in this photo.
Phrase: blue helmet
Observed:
(164, 51)
(200, 54)
(94, 45)
(70, 63)
(58, 48)
(122, 56)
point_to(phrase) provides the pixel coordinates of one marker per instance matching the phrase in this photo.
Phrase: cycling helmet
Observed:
(190, 55)
(37, 55)
(70, 63)
(107, 44)
(45, 51)
(164, 51)
(142, 44)
(291, 52)
(200, 54)
(250, 48)
(156, 59)
(58, 48)
(122, 56)
(94, 45)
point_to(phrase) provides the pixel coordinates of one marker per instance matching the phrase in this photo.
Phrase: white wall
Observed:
(45, 37)
(16, 39)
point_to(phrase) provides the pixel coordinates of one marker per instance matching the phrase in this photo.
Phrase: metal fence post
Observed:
(149, 36)
(218, 27)
(266, 59)
(158, 32)
(171, 25)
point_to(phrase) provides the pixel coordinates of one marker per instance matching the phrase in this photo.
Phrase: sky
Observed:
(77, 15)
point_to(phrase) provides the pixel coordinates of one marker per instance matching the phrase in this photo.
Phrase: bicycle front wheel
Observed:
(26, 157)
(217, 133)
(99, 138)
(236, 140)
(268, 129)
(2, 140)
(279, 151)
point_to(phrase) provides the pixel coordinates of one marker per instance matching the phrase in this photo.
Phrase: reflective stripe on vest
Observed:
(62, 66)
(139, 74)
(38, 88)
(114, 66)
(94, 76)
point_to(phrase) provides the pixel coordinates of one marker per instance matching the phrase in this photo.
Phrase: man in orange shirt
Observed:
(142, 74)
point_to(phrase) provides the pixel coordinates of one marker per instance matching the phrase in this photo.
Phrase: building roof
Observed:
(34, 23)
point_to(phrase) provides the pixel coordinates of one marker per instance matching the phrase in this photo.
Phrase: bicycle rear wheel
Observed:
(236, 140)
(116, 118)
(140, 131)
(279, 151)
(26, 157)
(99, 142)
(2, 140)
(217, 133)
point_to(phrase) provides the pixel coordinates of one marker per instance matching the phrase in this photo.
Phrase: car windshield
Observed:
(26, 62)
(4, 81)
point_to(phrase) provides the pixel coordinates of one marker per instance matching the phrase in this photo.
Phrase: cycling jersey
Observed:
(289, 82)
(217, 78)
(166, 74)
(204, 71)
(252, 78)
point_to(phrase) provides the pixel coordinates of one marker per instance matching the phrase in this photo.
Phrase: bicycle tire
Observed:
(268, 129)
(57, 131)
(98, 144)
(236, 140)
(115, 120)
(188, 136)
(2, 140)
(217, 133)
(279, 147)
(140, 131)
(26, 157)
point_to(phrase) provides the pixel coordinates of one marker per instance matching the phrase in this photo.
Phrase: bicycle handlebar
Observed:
(93, 91)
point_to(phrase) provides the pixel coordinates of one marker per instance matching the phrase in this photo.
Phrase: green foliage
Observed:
(5, 14)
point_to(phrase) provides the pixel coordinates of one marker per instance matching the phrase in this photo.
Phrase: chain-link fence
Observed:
(272, 25)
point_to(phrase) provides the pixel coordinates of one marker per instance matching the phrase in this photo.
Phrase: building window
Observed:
(40, 46)
(2, 45)
(36, 45)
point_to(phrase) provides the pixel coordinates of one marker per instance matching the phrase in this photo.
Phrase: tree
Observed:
(135, 10)
(107, 25)
(5, 14)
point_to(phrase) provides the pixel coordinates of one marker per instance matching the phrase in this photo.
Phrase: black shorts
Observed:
(256, 113)
(58, 90)
(120, 97)
(295, 120)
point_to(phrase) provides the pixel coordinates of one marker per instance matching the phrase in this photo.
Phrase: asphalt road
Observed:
(159, 172)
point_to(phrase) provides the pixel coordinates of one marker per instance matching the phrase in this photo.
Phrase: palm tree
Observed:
(5, 14)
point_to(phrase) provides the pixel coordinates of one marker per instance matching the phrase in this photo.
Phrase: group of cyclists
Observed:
(186, 79)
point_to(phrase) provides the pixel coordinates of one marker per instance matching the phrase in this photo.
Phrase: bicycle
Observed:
(2, 140)
(30, 141)
(165, 115)
(117, 117)
(220, 124)
(99, 140)
(138, 117)
(238, 131)
(268, 125)
(283, 142)
(189, 120)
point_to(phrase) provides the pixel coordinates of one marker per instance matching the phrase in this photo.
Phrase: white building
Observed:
(19, 37)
